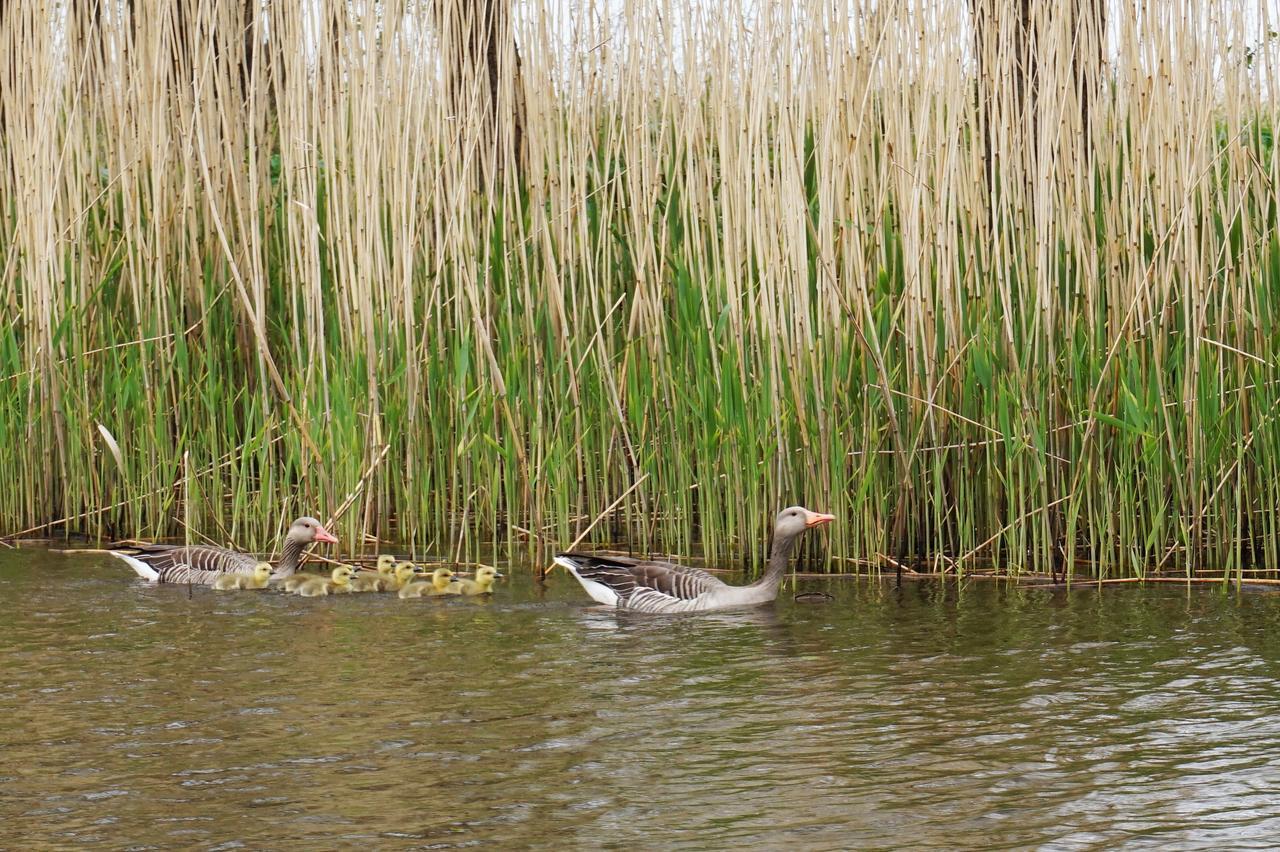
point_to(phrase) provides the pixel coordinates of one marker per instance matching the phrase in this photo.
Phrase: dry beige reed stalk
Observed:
(911, 182)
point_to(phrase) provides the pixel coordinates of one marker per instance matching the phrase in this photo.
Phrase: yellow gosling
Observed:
(405, 572)
(257, 580)
(439, 585)
(293, 581)
(481, 585)
(367, 582)
(336, 583)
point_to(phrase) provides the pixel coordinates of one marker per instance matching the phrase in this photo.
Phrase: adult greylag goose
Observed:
(642, 585)
(205, 563)
(257, 580)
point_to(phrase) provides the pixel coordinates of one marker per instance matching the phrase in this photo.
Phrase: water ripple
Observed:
(925, 716)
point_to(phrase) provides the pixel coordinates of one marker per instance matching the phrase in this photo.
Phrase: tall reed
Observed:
(988, 283)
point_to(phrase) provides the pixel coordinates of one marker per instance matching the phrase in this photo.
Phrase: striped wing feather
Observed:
(200, 564)
(644, 584)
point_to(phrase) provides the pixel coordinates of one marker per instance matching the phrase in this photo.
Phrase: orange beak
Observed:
(817, 519)
(324, 535)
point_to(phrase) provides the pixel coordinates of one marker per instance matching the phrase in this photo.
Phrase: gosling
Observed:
(336, 583)
(405, 572)
(439, 585)
(257, 580)
(481, 585)
(296, 579)
(366, 582)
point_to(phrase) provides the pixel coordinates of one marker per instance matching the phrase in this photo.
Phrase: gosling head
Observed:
(441, 578)
(385, 563)
(262, 572)
(342, 575)
(795, 520)
(405, 571)
(486, 574)
(306, 530)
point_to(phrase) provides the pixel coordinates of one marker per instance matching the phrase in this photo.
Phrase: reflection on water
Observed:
(928, 716)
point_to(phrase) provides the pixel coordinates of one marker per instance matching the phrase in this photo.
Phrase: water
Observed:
(931, 717)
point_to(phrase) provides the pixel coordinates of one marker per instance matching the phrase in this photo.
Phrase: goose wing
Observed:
(171, 563)
(645, 585)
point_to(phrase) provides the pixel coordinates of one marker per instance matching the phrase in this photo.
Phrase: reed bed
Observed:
(994, 282)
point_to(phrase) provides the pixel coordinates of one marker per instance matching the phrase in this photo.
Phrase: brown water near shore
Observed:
(932, 716)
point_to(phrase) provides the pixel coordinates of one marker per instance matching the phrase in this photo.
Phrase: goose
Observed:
(439, 585)
(296, 579)
(641, 585)
(204, 563)
(336, 583)
(404, 572)
(293, 581)
(366, 582)
(481, 585)
(257, 580)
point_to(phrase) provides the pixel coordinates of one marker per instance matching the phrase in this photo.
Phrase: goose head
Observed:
(306, 530)
(441, 578)
(386, 562)
(794, 520)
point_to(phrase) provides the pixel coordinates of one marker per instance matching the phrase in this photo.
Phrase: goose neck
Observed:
(289, 558)
(779, 556)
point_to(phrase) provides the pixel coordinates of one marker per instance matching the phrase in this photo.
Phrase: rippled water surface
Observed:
(930, 716)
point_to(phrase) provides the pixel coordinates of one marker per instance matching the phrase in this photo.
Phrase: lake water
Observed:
(926, 717)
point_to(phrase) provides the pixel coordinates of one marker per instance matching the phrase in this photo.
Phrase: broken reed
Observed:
(983, 285)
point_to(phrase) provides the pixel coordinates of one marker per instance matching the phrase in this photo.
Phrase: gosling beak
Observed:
(323, 534)
(817, 519)
(417, 569)
(498, 575)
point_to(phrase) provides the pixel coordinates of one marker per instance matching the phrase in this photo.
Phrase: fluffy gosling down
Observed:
(366, 582)
(404, 572)
(294, 581)
(481, 585)
(336, 583)
(257, 580)
(439, 585)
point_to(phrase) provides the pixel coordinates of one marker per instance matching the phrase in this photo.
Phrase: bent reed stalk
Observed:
(988, 284)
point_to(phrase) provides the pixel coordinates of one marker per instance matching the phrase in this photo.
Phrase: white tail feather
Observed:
(599, 592)
(143, 570)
